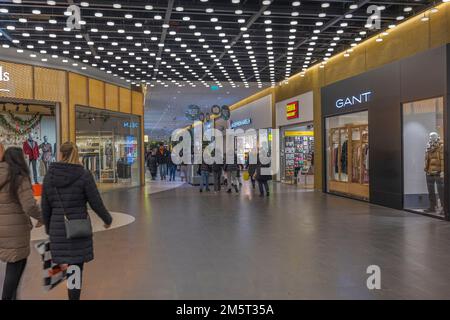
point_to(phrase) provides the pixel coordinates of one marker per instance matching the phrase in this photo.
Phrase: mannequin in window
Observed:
(31, 149)
(434, 169)
(47, 153)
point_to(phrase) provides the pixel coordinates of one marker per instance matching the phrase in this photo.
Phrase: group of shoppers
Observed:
(161, 158)
(67, 189)
(232, 176)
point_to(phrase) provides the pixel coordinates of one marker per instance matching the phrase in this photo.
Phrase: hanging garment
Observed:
(31, 149)
(344, 157)
(336, 160)
(366, 155)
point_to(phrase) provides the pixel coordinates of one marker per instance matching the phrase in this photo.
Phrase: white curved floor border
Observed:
(156, 186)
(119, 220)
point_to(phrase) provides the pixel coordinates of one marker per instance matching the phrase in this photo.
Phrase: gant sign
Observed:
(353, 100)
(4, 77)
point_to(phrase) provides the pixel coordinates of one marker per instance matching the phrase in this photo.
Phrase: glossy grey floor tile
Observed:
(293, 245)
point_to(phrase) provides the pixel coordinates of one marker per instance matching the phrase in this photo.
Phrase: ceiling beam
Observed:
(170, 4)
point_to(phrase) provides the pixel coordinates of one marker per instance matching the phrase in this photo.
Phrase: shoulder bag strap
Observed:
(62, 205)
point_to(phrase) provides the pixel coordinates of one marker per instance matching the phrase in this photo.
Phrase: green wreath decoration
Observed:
(28, 128)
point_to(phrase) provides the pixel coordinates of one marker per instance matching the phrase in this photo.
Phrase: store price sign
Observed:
(292, 110)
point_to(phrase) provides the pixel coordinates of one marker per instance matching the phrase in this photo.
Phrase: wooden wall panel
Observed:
(440, 27)
(403, 41)
(20, 85)
(125, 100)
(78, 95)
(51, 85)
(96, 93)
(111, 97)
(137, 103)
(252, 98)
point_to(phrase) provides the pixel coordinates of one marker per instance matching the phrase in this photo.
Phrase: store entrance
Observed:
(297, 155)
(348, 155)
(31, 126)
(108, 144)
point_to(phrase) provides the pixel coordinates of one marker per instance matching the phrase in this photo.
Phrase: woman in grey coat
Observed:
(68, 188)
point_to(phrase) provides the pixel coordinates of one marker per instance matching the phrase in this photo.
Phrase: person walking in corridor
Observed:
(162, 159)
(172, 167)
(68, 188)
(263, 173)
(205, 170)
(17, 204)
(152, 164)
(217, 176)
(232, 181)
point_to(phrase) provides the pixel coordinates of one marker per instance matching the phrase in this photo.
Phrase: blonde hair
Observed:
(69, 153)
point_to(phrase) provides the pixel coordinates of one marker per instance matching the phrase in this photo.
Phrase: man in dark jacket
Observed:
(162, 160)
(204, 171)
(217, 175)
(152, 164)
(232, 171)
(263, 177)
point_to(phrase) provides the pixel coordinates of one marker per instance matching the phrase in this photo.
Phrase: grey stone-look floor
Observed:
(293, 245)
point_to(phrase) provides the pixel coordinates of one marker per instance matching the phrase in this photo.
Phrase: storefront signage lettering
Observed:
(240, 123)
(131, 125)
(4, 77)
(354, 100)
(292, 110)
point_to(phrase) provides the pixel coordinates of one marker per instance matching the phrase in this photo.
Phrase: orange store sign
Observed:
(292, 110)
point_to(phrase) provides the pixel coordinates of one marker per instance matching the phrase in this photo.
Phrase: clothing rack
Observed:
(348, 153)
(101, 147)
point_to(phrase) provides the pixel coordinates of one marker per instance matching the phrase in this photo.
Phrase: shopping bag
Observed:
(53, 274)
(246, 176)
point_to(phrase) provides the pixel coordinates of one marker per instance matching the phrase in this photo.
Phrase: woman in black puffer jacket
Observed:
(68, 187)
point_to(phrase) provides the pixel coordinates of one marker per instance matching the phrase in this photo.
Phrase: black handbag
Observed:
(76, 228)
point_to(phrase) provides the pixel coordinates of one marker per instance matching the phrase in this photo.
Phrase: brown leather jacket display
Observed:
(15, 223)
(434, 160)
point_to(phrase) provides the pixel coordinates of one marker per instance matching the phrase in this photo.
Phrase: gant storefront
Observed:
(385, 135)
(39, 110)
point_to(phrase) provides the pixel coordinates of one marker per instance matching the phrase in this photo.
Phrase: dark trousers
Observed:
(432, 182)
(14, 272)
(75, 294)
(253, 182)
(217, 177)
(262, 184)
(33, 166)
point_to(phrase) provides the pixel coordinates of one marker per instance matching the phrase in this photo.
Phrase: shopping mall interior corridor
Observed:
(292, 245)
